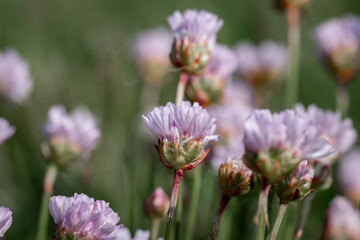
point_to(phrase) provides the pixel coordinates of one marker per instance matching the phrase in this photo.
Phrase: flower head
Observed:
(208, 87)
(157, 204)
(81, 217)
(339, 133)
(5, 220)
(338, 44)
(235, 178)
(151, 53)
(261, 65)
(70, 136)
(276, 143)
(348, 176)
(15, 82)
(6, 130)
(342, 221)
(297, 185)
(182, 132)
(194, 38)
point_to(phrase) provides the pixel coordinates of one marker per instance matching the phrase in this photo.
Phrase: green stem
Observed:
(155, 226)
(173, 200)
(178, 214)
(221, 208)
(49, 180)
(304, 210)
(342, 99)
(278, 220)
(261, 218)
(194, 204)
(293, 16)
(180, 91)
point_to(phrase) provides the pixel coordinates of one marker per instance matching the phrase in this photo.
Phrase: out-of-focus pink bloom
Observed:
(15, 81)
(157, 204)
(6, 130)
(5, 220)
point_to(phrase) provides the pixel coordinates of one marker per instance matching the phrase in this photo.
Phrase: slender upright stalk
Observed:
(261, 218)
(304, 210)
(277, 222)
(195, 196)
(342, 99)
(180, 91)
(222, 205)
(49, 180)
(178, 213)
(293, 20)
(173, 200)
(155, 226)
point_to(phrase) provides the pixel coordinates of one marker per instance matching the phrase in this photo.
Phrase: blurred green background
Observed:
(79, 54)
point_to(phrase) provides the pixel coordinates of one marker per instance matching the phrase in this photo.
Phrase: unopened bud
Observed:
(235, 178)
(295, 186)
(157, 204)
(322, 175)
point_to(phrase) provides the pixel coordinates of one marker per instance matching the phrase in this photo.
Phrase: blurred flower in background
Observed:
(6, 130)
(338, 44)
(68, 137)
(15, 81)
(5, 220)
(157, 204)
(194, 38)
(342, 221)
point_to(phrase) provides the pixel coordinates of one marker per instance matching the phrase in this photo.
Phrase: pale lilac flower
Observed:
(342, 220)
(77, 130)
(239, 93)
(263, 64)
(339, 133)
(182, 132)
(284, 139)
(81, 216)
(349, 176)
(15, 81)
(195, 26)
(234, 148)
(5, 220)
(6, 130)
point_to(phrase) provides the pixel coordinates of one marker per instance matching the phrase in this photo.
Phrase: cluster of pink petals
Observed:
(196, 26)
(6, 130)
(286, 130)
(303, 173)
(15, 80)
(177, 123)
(5, 220)
(78, 128)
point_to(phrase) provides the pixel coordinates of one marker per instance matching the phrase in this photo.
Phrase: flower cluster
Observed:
(69, 136)
(5, 220)
(182, 132)
(15, 81)
(338, 44)
(194, 38)
(276, 143)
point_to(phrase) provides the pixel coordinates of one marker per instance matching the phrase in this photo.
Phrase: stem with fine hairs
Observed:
(225, 199)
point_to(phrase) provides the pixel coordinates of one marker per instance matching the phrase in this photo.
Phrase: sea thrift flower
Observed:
(339, 133)
(208, 87)
(295, 186)
(261, 65)
(182, 132)
(157, 204)
(342, 221)
(6, 130)
(338, 44)
(5, 220)
(235, 178)
(69, 137)
(349, 176)
(194, 38)
(276, 143)
(80, 217)
(151, 54)
(15, 82)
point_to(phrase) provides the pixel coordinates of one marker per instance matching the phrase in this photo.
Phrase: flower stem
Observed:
(49, 180)
(278, 220)
(195, 196)
(261, 218)
(155, 226)
(178, 213)
(222, 205)
(180, 91)
(293, 19)
(342, 99)
(304, 209)
(173, 200)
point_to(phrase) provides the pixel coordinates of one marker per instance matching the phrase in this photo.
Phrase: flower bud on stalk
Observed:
(194, 38)
(342, 221)
(157, 204)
